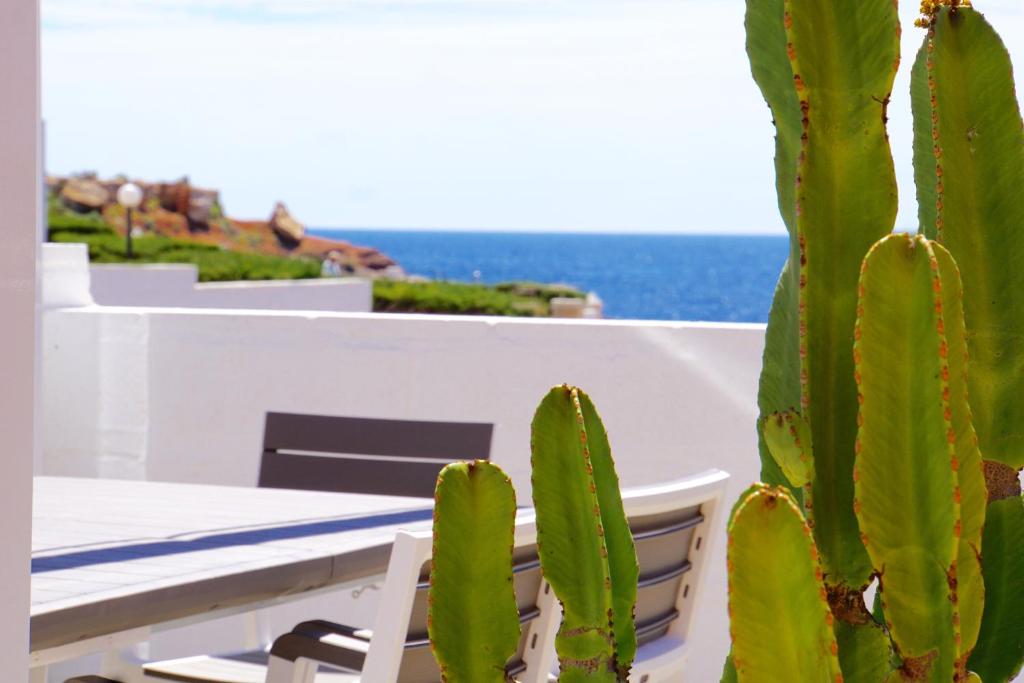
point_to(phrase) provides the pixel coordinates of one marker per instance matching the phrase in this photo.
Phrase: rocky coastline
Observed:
(183, 211)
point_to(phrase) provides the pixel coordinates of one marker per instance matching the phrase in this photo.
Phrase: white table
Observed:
(113, 559)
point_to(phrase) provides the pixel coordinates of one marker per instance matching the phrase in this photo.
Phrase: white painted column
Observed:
(20, 230)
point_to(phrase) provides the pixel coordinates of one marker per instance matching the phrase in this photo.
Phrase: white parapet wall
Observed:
(181, 395)
(177, 285)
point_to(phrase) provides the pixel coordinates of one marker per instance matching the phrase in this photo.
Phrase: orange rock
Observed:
(289, 230)
(84, 194)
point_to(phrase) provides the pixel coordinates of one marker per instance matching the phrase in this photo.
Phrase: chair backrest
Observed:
(363, 455)
(673, 526)
(399, 648)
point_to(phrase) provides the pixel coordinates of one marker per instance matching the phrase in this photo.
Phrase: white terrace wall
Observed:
(181, 395)
(177, 285)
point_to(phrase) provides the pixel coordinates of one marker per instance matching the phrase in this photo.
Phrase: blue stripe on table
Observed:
(84, 558)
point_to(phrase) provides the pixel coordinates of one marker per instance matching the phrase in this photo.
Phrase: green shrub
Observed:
(452, 297)
(214, 264)
(61, 218)
(539, 290)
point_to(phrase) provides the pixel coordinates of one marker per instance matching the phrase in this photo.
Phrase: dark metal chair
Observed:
(350, 455)
(365, 455)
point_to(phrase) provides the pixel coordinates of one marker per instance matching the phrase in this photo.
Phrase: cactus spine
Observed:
(583, 539)
(882, 446)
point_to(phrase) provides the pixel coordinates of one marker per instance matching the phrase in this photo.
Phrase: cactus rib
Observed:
(779, 384)
(1000, 652)
(977, 169)
(864, 651)
(623, 566)
(585, 547)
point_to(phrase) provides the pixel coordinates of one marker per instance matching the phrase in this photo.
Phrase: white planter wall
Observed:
(176, 285)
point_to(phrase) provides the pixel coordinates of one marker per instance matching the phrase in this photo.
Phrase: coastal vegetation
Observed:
(523, 299)
(218, 262)
(891, 425)
(194, 216)
(213, 262)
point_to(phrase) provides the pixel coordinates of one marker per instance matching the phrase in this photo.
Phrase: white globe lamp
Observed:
(129, 196)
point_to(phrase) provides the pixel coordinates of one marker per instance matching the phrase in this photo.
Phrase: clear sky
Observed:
(631, 115)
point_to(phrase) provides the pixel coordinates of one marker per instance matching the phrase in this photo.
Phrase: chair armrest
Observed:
(319, 627)
(324, 643)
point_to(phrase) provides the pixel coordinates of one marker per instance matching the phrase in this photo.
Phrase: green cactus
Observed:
(585, 546)
(783, 633)
(920, 492)
(583, 539)
(970, 179)
(1000, 649)
(969, 167)
(473, 622)
(839, 67)
(780, 374)
(788, 438)
(887, 443)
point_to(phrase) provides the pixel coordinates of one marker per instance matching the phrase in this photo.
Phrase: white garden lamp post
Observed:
(129, 196)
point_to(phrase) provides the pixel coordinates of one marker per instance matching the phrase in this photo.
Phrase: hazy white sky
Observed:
(633, 115)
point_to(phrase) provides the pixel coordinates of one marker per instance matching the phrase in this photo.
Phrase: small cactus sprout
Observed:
(788, 437)
(473, 622)
(585, 545)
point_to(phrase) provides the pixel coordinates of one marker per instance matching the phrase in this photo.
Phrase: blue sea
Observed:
(654, 277)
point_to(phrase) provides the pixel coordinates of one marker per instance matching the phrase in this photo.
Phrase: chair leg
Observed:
(257, 629)
(284, 671)
(123, 665)
(279, 670)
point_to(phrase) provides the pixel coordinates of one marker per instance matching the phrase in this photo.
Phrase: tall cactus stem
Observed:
(908, 482)
(843, 66)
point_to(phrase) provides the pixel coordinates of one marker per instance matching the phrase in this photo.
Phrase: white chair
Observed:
(674, 525)
(395, 650)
